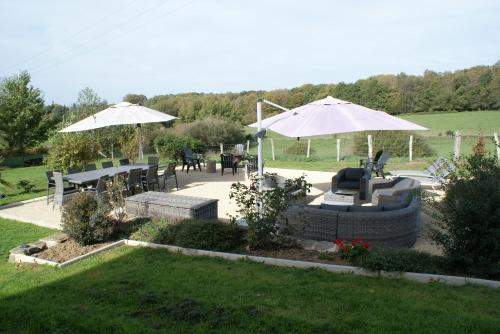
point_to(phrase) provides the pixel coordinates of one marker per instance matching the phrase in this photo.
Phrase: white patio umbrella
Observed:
(123, 113)
(328, 116)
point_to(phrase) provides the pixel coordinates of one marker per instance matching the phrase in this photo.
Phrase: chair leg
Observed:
(176, 184)
(47, 195)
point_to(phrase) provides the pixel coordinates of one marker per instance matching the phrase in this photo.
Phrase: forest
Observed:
(475, 88)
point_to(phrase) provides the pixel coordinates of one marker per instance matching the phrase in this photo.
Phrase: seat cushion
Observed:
(360, 208)
(354, 174)
(331, 207)
(348, 185)
(396, 206)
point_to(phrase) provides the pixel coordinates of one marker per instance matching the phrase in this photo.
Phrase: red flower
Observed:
(365, 245)
(338, 242)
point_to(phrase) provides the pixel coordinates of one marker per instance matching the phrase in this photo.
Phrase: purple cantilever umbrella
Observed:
(330, 116)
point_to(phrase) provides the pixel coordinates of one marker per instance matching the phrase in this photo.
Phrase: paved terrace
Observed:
(200, 184)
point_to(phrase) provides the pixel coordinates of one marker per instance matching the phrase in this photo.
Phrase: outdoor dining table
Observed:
(93, 176)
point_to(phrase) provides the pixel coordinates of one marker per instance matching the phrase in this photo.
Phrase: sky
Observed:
(157, 47)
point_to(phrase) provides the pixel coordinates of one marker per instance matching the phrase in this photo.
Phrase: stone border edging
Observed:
(13, 204)
(417, 277)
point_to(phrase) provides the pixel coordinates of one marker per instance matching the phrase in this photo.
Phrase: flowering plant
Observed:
(349, 251)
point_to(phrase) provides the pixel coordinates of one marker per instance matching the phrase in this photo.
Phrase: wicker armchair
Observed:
(353, 179)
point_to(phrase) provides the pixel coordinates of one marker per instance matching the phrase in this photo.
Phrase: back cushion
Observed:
(343, 208)
(359, 208)
(397, 206)
(353, 174)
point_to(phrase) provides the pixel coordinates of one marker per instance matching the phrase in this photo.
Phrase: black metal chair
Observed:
(124, 162)
(60, 190)
(74, 170)
(378, 168)
(369, 163)
(153, 160)
(134, 180)
(50, 183)
(189, 161)
(89, 167)
(107, 164)
(251, 164)
(100, 188)
(151, 179)
(227, 161)
(170, 173)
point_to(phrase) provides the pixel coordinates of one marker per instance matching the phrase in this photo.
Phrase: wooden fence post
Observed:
(458, 141)
(370, 147)
(308, 147)
(248, 146)
(338, 149)
(221, 148)
(272, 149)
(112, 152)
(410, 148)
(497, 142)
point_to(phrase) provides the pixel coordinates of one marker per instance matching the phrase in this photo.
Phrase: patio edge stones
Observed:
(416, 277)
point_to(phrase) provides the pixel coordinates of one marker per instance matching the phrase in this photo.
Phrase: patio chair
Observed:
(370, 162)
(227, 161)
(100, 188)
(430, 171)
(353, 179)
(90, 167)
(134, 180)
(153, 160)
(151, 179)
(170, 173)
(107, 164)
(437, 181)
(124, 162)
(189, 160)
(378, 168)
(239, 149)
(60, 190)
(50, 183)
(74, 170)
(251, 164)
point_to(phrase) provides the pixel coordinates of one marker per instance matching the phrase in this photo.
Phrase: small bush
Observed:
(402, 260)
(130, 146)
(396, 143)
(85, 219)
(469, 217)
(198, 234)
(213, 131)
(353, 250)
(26, 186)
(72, 150)
(169, 145)
(298, 148)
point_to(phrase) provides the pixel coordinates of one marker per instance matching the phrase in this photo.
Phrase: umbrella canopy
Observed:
(122, 113)
(331, 116)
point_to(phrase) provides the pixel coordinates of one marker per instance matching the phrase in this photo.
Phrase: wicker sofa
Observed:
(389, 225)
(353, 179)
(386, 192)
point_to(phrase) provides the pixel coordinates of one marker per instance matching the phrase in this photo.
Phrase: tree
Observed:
(88, 103)
(139, 99)
(22, 114)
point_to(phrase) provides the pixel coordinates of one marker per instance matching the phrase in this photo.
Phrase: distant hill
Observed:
(475, 88)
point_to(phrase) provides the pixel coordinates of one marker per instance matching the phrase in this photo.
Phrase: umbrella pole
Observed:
(139, 136)
(259, 140)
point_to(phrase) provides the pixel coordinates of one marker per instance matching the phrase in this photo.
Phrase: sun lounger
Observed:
(430, 171)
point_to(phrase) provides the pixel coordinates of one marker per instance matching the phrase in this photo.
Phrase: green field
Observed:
(131, 290)
(469, 123)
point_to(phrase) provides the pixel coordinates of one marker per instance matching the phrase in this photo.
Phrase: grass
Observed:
(130, 290)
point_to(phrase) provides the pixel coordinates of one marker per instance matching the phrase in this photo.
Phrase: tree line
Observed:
(475, 88)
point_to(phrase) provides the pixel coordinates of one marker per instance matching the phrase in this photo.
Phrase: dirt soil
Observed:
(66, 251)
(301, 255)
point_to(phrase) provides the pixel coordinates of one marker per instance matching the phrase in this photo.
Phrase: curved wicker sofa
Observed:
(395, 228)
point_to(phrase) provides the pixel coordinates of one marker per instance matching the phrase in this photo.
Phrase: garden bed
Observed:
(301, 254)
(67, 250)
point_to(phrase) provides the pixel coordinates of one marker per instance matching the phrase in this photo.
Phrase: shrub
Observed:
(479, 147)
(26, 186)
(85, 219)
(169, 145)
(213, 131)
(298, 148)
(72, 150)
(198, 234)
(130, 146)
(262, 211)
(396, 143)
(469, 217)
(353, 250)
(402, 260)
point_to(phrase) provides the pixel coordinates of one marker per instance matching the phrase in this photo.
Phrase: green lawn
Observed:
(130, 290)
